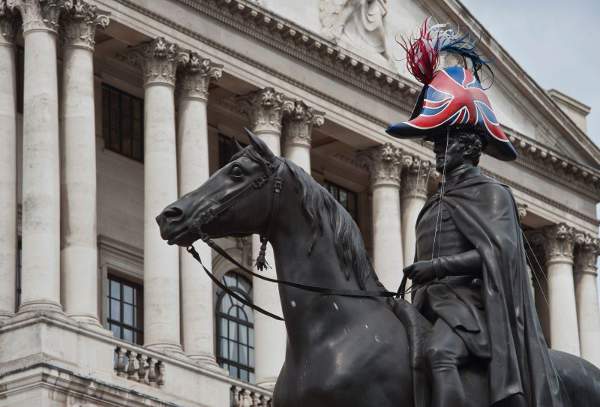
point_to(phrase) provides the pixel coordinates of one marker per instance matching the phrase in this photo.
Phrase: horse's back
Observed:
(580, 380)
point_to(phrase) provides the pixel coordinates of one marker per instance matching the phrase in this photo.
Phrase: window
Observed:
(123, 122)
(235, 329)
(348, 199)
(125, 309)
(227, 149)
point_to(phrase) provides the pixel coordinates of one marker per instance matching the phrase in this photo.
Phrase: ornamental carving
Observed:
(158, 60)
(265, 109)
(586, 253)
(416, 175)
(384, 164)
(39, 14)
(299, 123)
(80, 22)
(196, 75)
(9, 23)
(522, 210)
(355, 23)
(559, 241)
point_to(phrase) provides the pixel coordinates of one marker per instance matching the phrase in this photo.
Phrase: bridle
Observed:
(272, 173)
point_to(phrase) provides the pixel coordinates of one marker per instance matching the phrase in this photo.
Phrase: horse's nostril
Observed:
(172, 213)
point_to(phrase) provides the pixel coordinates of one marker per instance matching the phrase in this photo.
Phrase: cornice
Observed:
(293, 40)
(573, 103)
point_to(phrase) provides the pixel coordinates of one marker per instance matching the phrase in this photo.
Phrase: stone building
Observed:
(111, 109)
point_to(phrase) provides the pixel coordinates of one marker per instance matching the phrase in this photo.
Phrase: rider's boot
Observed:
(447, 386)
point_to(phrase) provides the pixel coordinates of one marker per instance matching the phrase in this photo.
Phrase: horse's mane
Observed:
(320, 206)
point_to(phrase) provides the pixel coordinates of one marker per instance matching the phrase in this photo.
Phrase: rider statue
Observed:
(469, 276)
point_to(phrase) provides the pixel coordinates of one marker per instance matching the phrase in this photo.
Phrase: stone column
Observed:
(8, 161)
(297, 130)
(415, 178)
(384, 164)
(265, 109)
(586, 293)
(558, 245)
(522, 212)
(41, 178)
(158, 60)
(79, 257)
(192, 144)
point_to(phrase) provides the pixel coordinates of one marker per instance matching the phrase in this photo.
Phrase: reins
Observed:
(261, 263)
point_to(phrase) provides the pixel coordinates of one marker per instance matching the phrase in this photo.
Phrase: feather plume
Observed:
(423, 51)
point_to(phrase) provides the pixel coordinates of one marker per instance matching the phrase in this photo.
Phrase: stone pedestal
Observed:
(79, 257)
(8, 162)
(297, 132)
(265, 109)
(384, 164)
(41, 178)
(586, 293)
(158, 60)
(193, 158)
(558, 245)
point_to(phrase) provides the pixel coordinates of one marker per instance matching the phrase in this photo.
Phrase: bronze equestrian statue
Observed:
(472, 338)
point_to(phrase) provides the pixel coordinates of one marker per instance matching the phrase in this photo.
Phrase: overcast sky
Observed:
(556, 41)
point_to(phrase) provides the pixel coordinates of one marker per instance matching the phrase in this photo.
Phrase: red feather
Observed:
(422, 54)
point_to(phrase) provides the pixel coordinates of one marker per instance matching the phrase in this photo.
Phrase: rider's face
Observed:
(448, 152)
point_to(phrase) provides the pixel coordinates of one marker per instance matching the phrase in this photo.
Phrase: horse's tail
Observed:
(580, 380)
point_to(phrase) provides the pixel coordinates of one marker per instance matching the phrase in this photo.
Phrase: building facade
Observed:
(112, 109)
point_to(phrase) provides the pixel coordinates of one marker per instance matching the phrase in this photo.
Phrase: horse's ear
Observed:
(238, 146)
(260, 146)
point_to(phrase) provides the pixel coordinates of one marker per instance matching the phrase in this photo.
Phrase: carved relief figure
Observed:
(355, 23)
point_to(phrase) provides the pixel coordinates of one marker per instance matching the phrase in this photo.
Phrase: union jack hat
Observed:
(451, 97)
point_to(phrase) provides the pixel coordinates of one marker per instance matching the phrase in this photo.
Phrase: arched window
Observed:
(235, 329)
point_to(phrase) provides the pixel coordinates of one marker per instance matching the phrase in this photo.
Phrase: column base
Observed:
(171, 349)
(88, 321)
(208, 361)
(41, 305)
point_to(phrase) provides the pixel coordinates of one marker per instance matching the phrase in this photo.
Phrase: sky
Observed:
(556, 42)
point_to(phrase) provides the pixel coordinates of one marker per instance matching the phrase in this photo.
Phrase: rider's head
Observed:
(456, 147)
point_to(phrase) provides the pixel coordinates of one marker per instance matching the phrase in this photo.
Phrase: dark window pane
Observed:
(128, 294)
(122, 121)
(115, 330)
(348, 199)
(128, 314)
(115, 310)
(124, 318)
(115, 290)
(128, 335)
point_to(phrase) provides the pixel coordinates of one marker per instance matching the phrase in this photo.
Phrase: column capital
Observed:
(384, 163)
(559, 242)
(415, 173)
(299, 123)
(9, 24)
(265, 108)
(587, 249)
(522, 210)
(80, 21)
(39, 15)
(158, 60)
(196, 74)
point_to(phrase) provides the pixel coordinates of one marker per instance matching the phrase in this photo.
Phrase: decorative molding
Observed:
(265, 109)
(521, 210)
(559, 242)
(299, 122)
(158, 60)
(39, 15)
(196, 74)
(384, 164)
(78, 28)
(9, 24)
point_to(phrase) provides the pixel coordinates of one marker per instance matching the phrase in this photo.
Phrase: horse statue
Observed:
(341, 350)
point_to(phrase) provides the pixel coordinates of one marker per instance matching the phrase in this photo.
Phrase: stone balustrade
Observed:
(242, 396)
(138, 366)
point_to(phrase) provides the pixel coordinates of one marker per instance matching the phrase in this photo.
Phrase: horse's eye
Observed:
(236, 172)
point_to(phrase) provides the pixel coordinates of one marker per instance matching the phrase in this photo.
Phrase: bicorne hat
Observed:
(451, 97)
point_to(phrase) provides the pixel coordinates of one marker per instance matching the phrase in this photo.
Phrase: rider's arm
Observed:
(463, 264)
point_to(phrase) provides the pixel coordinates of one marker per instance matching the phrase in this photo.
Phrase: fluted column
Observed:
(8, 160)
(415, 178)
(41, 179)
(79, 257)
(384, 164)
(586, 294)
(158, 60)
(193, 157)
(558, 245)
(297, 131)
(265, 109)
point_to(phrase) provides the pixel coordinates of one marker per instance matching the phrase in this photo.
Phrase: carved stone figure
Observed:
(358, 24)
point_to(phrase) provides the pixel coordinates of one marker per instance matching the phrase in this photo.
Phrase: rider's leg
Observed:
(445, 351)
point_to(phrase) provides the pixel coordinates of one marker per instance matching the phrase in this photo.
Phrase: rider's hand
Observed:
(420, 272)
